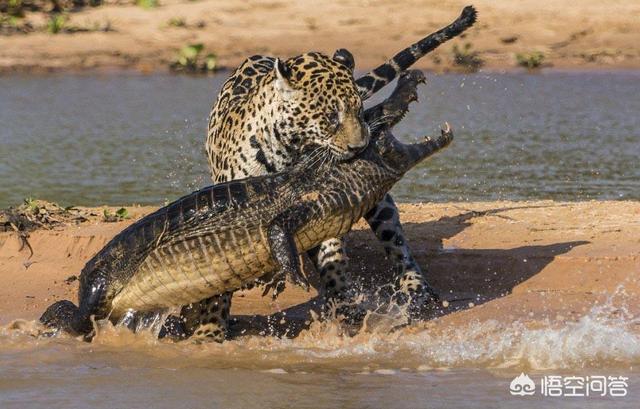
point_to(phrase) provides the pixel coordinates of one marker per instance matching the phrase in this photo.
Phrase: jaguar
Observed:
(269, 111)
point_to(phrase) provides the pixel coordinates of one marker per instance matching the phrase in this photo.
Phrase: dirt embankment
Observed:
(509, 260)
(588, 34)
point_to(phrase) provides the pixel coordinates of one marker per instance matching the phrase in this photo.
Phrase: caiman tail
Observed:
(66, 316)
(372, 82)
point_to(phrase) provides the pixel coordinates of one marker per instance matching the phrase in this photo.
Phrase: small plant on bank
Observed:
(14, 25)
(176, 22)
(189, 60)
(60, 23)
(13, 8)
(56, 23)
(119, 215)
(530, 61)
(148, 4)
(31, 204)
(467, 58)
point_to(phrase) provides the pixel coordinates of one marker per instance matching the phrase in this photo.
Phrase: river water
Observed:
(467, 366)
(107, 139)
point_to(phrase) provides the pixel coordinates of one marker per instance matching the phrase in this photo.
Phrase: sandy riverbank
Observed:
(527, 261)
(588, 34)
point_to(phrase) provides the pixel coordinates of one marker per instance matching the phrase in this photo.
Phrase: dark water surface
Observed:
(107, 139)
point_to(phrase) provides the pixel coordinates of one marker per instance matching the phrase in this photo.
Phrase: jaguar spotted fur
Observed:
(270, 110)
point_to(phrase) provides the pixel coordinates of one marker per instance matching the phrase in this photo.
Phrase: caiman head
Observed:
(399, 157)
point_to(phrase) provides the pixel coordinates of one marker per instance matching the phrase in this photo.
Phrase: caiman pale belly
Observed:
(200, 266)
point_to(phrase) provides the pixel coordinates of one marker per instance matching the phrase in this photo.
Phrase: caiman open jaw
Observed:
(400, 157)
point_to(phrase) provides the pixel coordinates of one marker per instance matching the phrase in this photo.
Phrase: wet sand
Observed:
(588, 34)
(498, 262)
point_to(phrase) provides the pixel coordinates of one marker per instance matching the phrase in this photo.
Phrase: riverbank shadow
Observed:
(463, 276)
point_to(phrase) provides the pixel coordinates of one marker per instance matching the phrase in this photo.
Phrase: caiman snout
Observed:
(401, 157)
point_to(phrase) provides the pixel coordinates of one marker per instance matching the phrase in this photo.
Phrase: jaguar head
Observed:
(320, 104)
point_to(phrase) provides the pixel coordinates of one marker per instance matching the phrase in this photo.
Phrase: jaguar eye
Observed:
(334, 118)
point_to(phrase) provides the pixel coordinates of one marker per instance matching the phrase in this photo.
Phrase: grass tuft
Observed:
(467, 58)
(56, 23)
(530, 61)
(148, 4)
(190, 60)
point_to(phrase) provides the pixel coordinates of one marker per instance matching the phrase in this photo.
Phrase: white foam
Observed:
(607, 335)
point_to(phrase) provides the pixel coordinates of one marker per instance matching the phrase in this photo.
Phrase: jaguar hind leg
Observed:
(332, 263)
(410, 284)
(208, 320)
(336, 285)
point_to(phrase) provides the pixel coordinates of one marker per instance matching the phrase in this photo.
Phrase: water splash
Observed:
(608, 335)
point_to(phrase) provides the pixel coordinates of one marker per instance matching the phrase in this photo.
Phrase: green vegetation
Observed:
(466, 58)
(31, 204)
(17, 8)
(189, 60)
(530, 61)
(148, 4)
(10, 21)
(13, 8)
(34, 206)
(120, 214)
(177, 22)
(56, 23)
(60, 23)
(189, 55)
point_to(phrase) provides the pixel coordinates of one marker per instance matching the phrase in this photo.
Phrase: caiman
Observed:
(225, 236)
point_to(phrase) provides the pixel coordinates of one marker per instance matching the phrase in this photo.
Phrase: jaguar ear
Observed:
(344, 57)
(283, 78)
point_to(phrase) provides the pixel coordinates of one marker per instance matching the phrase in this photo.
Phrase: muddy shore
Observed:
(588, 35)
(493, 261)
